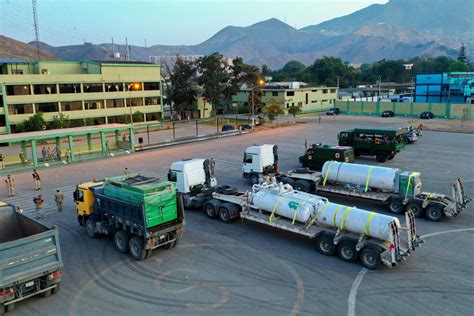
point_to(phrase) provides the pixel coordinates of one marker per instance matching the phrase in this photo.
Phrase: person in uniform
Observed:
(39, 203)
(212, 166)
(59, 199)
(37, 179)
(22, 158)
(10, 184)
(2, 161)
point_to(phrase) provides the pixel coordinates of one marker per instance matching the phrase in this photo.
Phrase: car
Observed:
(333, 111)
(227, 128)
(388, 113)
(410, 137)
(426, 115)
(244, 127)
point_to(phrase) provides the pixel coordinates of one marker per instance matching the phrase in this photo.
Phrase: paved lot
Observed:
(247, 269)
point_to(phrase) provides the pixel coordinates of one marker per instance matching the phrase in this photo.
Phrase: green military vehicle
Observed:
(318, 154)
(382, 143)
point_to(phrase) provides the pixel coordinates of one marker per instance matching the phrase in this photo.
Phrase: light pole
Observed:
(380, 86)
(261, 82)
(134, 86)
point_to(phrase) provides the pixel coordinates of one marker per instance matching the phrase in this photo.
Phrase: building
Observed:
(450, 87)
(89, 92)
(310, 99)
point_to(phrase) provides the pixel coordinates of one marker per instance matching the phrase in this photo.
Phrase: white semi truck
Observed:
(400, 190)
(354, 234)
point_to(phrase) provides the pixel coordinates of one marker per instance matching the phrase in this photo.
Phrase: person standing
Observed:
(49, 154)
(212, 165)
(59, 199)
(58, 153)
(126, 171)
(22, 158)
(68, 155)
(107, 148)
(44, 153)
(37, 179)
(2, 161)
(10, 184)
(39, 203)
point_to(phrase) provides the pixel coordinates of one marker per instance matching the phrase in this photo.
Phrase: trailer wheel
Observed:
(381, 156)
(325, 245)
(121, 240)
(416, 208)
(370, 258)
(434, 212)
(347, 251)
(395, 206)
(90, 227)
(137, 249)
(253, 178)
(302, 185)
(224, 214)
(211, 208)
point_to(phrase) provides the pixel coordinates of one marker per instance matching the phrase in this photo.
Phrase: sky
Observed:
(168, 22)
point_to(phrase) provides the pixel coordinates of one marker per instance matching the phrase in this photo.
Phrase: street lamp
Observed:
(260, 83)
(132, 86)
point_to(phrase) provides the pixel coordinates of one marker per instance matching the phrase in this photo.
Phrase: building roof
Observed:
(11, 61)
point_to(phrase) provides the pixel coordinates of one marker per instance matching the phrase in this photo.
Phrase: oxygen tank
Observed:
(381, 178)
(356, 220)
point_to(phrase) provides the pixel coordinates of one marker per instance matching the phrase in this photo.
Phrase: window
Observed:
(20, 109)
(151, 86)
(80, 195)
(274, 93)
(151, 101)
(93, 87)
(135, 101)
(290, 93)
(18, 90)
(306, 100)
(333, 90)
(133, 86)
(44, 89)
(47, 107)
(325, 91)
(70, 88)
(248, 158)
(2, 120)
(115, 103)
(17, 71)
(114, 87)
(71, 106)
(93, 105)
(153, 116)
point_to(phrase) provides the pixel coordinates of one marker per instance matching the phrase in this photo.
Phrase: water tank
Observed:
(381, 178)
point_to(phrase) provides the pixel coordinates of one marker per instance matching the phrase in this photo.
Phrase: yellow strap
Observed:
(327, 172)
(409, 183)
(294, 217)
(346, 212)
(274, 209)
(335, 214)
(430, 196)
(368, 178)
(367, 225)
(318, 213)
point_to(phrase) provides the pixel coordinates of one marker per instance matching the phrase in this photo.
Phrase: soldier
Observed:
(2, 161)
(107, 148)
(126, 171)
(22, 158)
(212, 165)
(39, 203)
(59, 199)
(10, 184)
(37, 179)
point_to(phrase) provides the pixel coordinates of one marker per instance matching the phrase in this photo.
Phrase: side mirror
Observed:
(338, 135)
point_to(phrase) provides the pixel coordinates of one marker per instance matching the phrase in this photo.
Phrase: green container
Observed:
(158, 198)
(318, 154)
(409, 183)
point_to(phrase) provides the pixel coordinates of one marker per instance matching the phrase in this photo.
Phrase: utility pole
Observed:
(253, 112)
(127, 52)
(113, 49)
(412, 87)
(380, 86)
(36, 25)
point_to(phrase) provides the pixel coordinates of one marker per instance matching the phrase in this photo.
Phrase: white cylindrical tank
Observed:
(286, 201)
(381, 178)
(356, 220)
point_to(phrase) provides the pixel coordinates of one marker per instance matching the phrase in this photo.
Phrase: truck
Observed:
(259, 159)
(354, 234)
(382, 143)
(399, 190)
(315, 156)
(31, 259)
(141, 213)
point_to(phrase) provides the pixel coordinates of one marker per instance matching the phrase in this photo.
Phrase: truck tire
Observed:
(10, 307)
(325, 244)
(90, 228)
(415, 207)
(434, 212)
(395, 206)
(346, 250)
(137, 248)
(224, 213)
(370, 257)
(121, 240)
(56, 289)
(381, 156)
(253, 178)
(302, 185)
(211, 208)
(2, 309)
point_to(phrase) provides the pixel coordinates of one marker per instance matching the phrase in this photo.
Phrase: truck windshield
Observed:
(248, 158)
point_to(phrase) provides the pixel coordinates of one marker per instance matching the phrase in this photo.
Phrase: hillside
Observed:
(10, 48)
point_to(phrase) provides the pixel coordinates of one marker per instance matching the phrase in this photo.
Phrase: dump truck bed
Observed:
(28, 249)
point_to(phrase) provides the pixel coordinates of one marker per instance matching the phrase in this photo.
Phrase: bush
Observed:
(272, 109)
(60, 121)
(33, 124)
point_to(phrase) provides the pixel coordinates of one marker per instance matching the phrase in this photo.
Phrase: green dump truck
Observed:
(142, 213)
(382, 143)
(315, 156)
(30, 258)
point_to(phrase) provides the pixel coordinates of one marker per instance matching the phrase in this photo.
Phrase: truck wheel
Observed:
(416, 208)
(121, 241)
(434, 212)
(325, 245)
(210, 208)
(253, 178)
(370, 258)
(148, 253)
(224, 214)
(10, 307)
(56, 289)
(2, 309)
(381, 156)
(395, 206)
(90, 227)
(302, 185)
(137, 249)
(347, 251)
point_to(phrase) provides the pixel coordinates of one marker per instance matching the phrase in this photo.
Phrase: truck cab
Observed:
(318, 154)
(84, 199)
(259, 160)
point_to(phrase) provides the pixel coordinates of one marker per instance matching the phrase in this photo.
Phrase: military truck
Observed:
(382, 143)
(315, 156)
(142, 213)
(30, 258)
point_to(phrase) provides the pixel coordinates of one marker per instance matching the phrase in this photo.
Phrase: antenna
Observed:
(36, 25)
(145, 43)
(127, 54)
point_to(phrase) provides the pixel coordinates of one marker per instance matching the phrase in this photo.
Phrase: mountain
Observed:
(10, 48)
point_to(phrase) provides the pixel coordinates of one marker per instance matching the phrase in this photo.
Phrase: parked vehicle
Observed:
(382, 143)
(227, 128)
(333, 111)
(354, 234)
(142, 213)
(30, 256)
(315, 156)
(244, 127)
(388, 113)
(426, 115)
(259, 159)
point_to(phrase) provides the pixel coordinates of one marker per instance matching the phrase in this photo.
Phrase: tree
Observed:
(294, 110)
(326, 70)
(182, 91)
(60, 121)
(137, 117)
(458, 66)
(214, 76)
(272, 109)
(34, 123)
(462, 57)
(87, 121)
(265, 70)
(292, 71)
(241, 74)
